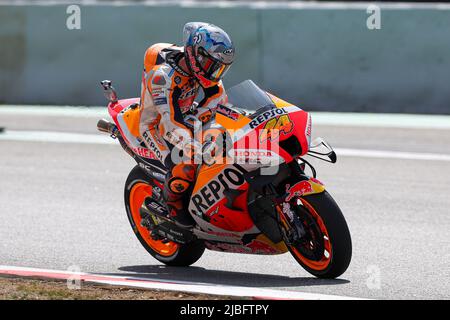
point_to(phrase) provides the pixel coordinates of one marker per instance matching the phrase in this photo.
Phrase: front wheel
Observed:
(138, 187)
(326, 249)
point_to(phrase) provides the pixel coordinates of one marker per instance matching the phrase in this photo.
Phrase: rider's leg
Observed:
(178, 182)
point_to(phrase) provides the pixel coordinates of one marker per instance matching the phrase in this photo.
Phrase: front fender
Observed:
(304, 187)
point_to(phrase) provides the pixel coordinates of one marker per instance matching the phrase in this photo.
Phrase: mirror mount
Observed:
(327, 155)
(109, 91)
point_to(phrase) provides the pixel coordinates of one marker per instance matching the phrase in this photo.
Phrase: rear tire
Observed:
(336, 237)
(137, 187)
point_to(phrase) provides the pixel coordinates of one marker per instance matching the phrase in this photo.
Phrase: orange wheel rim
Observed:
(323, 263)
(138, 193)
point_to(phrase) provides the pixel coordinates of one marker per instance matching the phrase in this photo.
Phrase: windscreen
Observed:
(247, 95)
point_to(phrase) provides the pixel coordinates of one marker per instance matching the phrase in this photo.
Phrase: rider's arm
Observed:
(165, 96)
(213, 96)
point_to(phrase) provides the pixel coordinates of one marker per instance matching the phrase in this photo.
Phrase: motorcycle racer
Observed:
(171, 81)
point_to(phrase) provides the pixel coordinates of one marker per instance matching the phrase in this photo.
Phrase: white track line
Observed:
(340, 119)
(84, 138)
(54, 111)
(57, 137)
(381, 120)
(383, 154)
(153, 283)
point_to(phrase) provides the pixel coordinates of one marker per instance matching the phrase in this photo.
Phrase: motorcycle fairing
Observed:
(228, 210)
(219, 199)
(114, 109)
(251, 244)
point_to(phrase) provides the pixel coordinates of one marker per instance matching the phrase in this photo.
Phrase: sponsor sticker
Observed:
(299, 189)
(157, 93)
(275, 112)
(227, 112)
(160, 101)
(159, 80)
(153, 146)
(275, 127)
(212, 193)
(143, 152)
(229, 52)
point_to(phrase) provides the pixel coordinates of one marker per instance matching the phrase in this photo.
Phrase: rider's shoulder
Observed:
(156, 48)
(160, 75)
(155, 54)
(159, 49)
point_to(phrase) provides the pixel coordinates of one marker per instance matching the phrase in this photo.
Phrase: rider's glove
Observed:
(209, 153)
(200, 153)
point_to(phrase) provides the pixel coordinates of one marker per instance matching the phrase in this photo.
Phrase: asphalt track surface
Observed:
(61, 205)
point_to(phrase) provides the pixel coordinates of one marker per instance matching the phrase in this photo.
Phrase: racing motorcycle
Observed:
(250, 206)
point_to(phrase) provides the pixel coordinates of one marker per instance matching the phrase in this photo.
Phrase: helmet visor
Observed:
(213, 69)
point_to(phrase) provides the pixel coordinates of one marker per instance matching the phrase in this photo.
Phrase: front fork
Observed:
(291, 226)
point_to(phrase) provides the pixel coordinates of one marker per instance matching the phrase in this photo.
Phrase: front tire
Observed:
(138, 187)
(329, 234)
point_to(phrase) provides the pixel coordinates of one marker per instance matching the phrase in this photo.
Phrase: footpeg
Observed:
(165, 230)
(152, 206)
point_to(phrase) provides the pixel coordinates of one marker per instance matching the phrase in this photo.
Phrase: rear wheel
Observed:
(138, 187)
(326, 249)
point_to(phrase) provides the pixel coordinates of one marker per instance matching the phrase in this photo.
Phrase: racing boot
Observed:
(174, 204)
(175, 190)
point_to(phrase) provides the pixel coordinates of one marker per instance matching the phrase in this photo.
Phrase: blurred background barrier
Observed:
(321, 56)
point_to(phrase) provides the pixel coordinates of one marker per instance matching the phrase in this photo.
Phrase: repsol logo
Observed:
(206, 197)
(266, 116)
(152, 146)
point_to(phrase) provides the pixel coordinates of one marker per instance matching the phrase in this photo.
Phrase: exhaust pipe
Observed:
(110, 128)
(104, 125)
